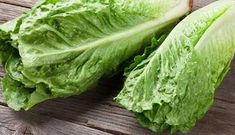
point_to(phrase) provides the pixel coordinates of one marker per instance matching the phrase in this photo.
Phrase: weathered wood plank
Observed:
(94, 109)
(9, 12)
(226, 92)
(22, 3)
(220, 120)
(201, 3)
(27, 122)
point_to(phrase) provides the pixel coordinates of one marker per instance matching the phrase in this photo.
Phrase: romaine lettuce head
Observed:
(64, 47)
(174, 86)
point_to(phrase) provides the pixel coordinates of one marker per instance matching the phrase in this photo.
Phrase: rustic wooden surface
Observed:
(95, 113)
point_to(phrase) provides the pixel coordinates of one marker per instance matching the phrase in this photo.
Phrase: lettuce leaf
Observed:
(64, 47)
(174, 87)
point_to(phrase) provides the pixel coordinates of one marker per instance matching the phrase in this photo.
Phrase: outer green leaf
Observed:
(56, 33)
(175, 86)
(64, 47)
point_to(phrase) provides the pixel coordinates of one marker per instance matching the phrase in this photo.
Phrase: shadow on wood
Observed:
(94, 109)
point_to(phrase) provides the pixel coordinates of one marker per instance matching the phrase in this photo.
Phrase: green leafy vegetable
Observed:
(175, 85)
(64, 47)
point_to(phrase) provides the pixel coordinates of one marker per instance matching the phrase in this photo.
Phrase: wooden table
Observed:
(94, 112)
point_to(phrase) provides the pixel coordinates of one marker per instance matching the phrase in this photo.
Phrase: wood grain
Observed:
(21, 3)
(94, 109)
(201, 3)
(9, 12)
(94, 112)
(36, 124)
